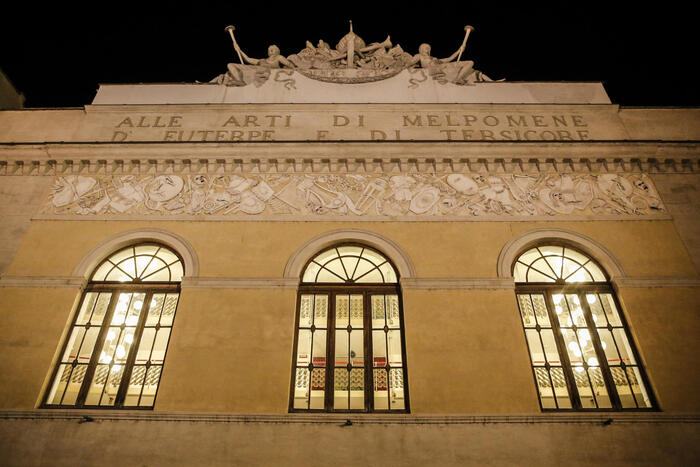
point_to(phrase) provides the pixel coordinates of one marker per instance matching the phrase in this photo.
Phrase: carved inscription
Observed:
(365, 126)
(383, 196)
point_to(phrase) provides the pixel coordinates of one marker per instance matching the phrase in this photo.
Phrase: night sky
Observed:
(57, 56)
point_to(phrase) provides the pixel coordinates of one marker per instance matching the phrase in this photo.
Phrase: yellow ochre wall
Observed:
(231, 349)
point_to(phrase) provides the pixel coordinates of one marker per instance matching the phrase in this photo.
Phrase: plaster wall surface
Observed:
(210, 443)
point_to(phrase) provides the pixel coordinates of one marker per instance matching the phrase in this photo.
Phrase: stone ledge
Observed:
(43, 281)
(359, 419)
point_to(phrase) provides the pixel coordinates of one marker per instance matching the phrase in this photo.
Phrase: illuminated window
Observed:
(582, 355)
(114, 354)
(349, 350)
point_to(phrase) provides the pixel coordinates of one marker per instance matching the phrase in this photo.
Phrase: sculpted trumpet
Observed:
(467, 30)
(230, 30)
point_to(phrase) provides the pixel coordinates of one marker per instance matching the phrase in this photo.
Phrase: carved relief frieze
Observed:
(456, 196)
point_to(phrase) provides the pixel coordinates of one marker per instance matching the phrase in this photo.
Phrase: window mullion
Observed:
(563, 351)
(330, 354)
(367, 348)
(602, 358)
(129, 364)
(99, 343)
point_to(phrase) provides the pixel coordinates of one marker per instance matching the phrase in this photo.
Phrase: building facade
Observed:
(389, 260)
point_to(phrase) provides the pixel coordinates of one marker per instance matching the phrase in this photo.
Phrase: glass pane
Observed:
(341, 389)
(127, 265)
(110, 345)
(176, 272)
(349, 263)
(88, 345)
(550, 347)
(167, 256)
(596, 310)
(584, 388)
(133, 392)
(379, 348)
(392, 311)
(394, 343)
(160, 345)
(86, 307)
(388, 273)
(310, 273)
(357, 388)
(96, 385)
(326, 256)
(560, 389)
(610, 309)
(305, 310)
(342, 311)
(580, 276)
(150, 386)
(373, 257)
(356, 311)
(541, 310)
(569, 267)
(301, 389)
(304, 347)
(555, 265)
(73, 345)
(519, 272)
(572, 347)
(168, 314)
(561, 310)
(147, 250)
(319, 348)
(321, 311)
(529, 256)
(608, 344)
(526, 312)
(586, 344)
(342, 344)
(162, 275)
(132, 317)
(74, 384)
(156, 268)
(534, 275)
(350, 250)
(576, 256)
(378, 311)
(363, 267)
(122, 256)
(640, 393)
(144, 351)
(59, 384)
(396, 389)
(120, 310)
(100, 310)
(623, 346)
(575, 309)
(623, 390)
(111, 387)
(336, 267)
(318, 387)
(601, 392)
(357, 348)
(381, 386)
(325, 275)
(117, 274)
(545, 388)
(596, 272)
(125, 340)
(101, 273)
(154, 309)
(550, 250)
(533, 342)
(371, 277)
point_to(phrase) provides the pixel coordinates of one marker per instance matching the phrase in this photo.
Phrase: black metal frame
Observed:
(331, 290)
(548, 289)
(137, 286)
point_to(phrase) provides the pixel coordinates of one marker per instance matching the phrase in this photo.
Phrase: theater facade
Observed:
(352, 255)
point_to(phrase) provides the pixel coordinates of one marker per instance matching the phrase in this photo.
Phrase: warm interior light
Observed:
(591, 298)
(138, 305)
(129, 338)
(120, 351)
(592, 361)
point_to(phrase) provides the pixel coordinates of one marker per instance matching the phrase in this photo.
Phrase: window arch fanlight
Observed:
(349, 347)
(582, 355)
(114, 354)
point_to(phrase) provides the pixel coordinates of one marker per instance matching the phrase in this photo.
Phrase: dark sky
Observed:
(57, 56)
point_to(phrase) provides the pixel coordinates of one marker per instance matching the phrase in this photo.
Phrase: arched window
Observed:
(582, 355)
(349, 347)
(116, 346)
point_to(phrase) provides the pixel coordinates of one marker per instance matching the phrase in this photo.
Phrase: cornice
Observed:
(360, 419)
(56, 282)
(350, 156)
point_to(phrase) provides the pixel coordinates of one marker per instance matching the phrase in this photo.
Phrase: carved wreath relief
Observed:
(458, 195)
